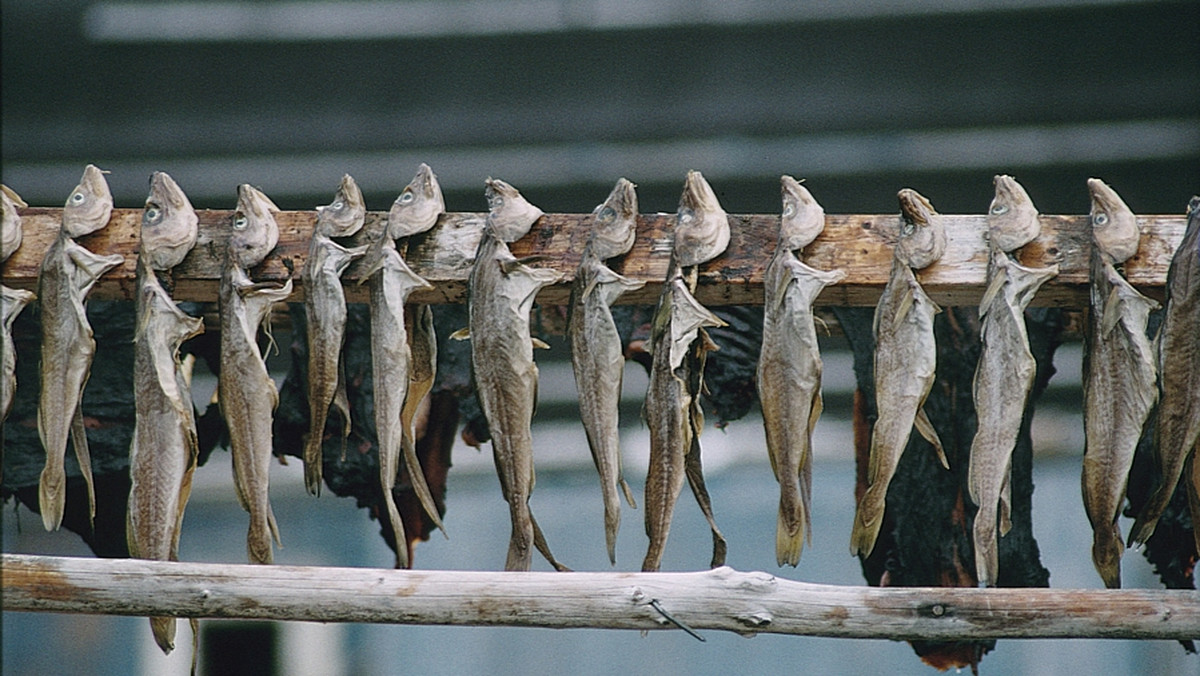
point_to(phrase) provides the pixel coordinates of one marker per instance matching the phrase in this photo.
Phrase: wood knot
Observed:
(756, 619)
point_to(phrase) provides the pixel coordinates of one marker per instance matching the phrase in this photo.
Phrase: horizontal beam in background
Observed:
(859, 244)
(720, 599)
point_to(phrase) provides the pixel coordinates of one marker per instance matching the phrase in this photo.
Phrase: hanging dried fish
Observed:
(391, 281)
(1004, 374)
(679, 348)
(163, 454)
(10, 219)
(245, 390)
(67, 273)
(596, 355)
(1178, 428)
(325, 311)
(500, 297)
(12, 300)
(789, 367)
(1119, 379)
(905, 362)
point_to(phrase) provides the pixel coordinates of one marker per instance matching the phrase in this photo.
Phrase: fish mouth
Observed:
(93, 181)
(915, 206)
(623, 197)
(1102, 196)
(697, 193)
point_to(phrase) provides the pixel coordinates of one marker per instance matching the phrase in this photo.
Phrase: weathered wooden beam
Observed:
(859, 244)
(720, 599)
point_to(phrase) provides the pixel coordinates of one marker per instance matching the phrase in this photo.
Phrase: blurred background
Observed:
(560, 97)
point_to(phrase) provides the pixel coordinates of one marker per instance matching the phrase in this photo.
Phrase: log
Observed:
(720, 599)
(859, 244)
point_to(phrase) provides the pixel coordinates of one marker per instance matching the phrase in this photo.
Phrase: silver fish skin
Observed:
(789, 368)
(1012, 219)
(597, 359)
(325, 312)
(1003, 379)
(510, 215)
(501, 295)
(245, 390)
(701, 225)
(1114, 226)
(1120, 387)
(670, 407)
(1178, 427)
(169, 224)
(905, 368)
(67, 274)
(10, 222)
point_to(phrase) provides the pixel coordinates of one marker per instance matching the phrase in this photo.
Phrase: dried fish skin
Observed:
(67, 273)
(1114, 226)
(501, 295)
(1119, 390)
(1003, 379)
(802, 219)
(245, 390)
(510, 215)
(597, 359)
(905, 368)
(1012, 219)
(169, 224)
(325, 308)
(417, 207)
(701, 225)
(12, 301)
(1178, 427)
(10, 222)
(922, 234)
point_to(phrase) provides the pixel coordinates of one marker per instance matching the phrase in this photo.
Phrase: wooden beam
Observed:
(721, 599)
(858, 244)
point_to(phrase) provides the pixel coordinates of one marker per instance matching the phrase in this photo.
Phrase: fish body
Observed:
(325, 313)
(10, 222)
(1003, 379)
(66, 275)
(1178, 427)
(245, 390)
(1119, 389)
(789, 368)
(12, 301)
(596, 355)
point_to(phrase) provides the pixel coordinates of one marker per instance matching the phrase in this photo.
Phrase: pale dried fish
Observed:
(789, 366)
(10, 222)
(11, 300)
(67, 273)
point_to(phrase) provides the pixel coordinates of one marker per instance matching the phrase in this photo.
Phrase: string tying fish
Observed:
(692, 632)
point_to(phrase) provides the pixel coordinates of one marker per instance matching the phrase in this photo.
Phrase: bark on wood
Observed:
(859, 244)
(719, 599)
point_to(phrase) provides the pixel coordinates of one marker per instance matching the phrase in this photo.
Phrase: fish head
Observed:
(510, 215)
(418, 207)
(89, 206)
(1114, 226)
(255, 232)
(922, 235)
(701, 225)
(1012, 219)
(616, 221)
(345, 215)
(169, 223)
(803, 218)
(10, 221)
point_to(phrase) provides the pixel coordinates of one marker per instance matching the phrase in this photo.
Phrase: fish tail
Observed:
(397, 528)
(52, 497)
(987, 558)
(539, 541)
(628, 492)
(163, 629)
(258, 538)
(312, 459)
(1107, 548)
(868, 519)
(612, 521)
(416, 478)
(1147, 521)
(789, 535)
(84, 456)
(695, 476)
(520, 550)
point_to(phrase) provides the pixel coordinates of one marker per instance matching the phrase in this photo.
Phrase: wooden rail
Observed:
(719, 599)
(858, 244)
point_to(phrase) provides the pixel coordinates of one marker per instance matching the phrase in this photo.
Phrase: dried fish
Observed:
(501, 294)
(789, 367)
(325, 311)
(391, 281)
(905, 363)
(596, 355)
(67, 273)
(11, 300)
(1004, 374)
(1178, 429)
(679, 348)
(245, 390)
(10, 222)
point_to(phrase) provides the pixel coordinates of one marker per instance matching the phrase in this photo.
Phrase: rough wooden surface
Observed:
(859, 244)
(720, 599)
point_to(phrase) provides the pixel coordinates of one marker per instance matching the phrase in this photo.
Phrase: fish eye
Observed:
(789, 209)
(240, 223)
(497, 202)
(406, 197)
(686, 215)
(1100, 218)
(606, 215)
(77, 197)
(336, 205)
(151, 214)
(999, 209)
(908, 228)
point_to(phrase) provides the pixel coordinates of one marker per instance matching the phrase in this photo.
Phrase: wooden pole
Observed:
(859, 244)
(720, 599)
